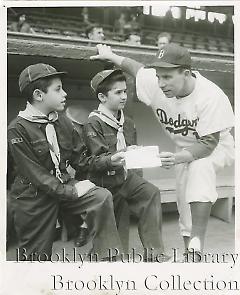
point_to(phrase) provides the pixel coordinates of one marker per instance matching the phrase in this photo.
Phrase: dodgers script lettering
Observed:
(180, 125)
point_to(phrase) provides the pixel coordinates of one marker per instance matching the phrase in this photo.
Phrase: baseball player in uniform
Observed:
(107, 131)
(43, 142)
(197, 115)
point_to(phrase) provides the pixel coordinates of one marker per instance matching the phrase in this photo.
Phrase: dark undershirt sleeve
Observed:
(131, 66)
(205, 146)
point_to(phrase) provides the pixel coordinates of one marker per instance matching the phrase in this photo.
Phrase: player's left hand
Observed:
(167, 159)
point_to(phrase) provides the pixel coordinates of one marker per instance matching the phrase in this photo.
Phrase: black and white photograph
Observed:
(120, 147)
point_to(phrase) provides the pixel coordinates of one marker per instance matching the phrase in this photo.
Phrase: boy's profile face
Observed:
(116, 97)
(55, 98)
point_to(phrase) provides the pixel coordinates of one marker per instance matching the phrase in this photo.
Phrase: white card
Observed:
(143, 157)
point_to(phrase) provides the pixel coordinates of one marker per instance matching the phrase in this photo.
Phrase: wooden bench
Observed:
(222, 209)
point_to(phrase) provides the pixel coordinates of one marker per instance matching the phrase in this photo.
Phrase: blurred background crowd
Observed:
(207, 28)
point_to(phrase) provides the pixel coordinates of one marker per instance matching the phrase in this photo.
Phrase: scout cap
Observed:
(35, 72)
(101, 76)
(171, 56)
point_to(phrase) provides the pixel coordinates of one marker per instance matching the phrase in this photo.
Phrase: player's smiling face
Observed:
(172, 81)
(116, 97)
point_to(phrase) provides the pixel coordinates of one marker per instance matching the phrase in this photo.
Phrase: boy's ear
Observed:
(37, 95)
(102, 97)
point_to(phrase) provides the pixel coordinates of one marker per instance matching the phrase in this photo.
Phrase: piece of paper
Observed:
(143, 157)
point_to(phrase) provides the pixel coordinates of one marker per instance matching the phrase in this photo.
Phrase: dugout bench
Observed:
(222, 208)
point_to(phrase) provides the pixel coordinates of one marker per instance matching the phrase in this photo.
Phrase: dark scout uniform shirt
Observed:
(101, 140)
(35, 170)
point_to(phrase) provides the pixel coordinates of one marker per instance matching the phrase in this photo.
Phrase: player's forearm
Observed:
(131, 66)
(201, 149)
(205, 146)
(128, 65)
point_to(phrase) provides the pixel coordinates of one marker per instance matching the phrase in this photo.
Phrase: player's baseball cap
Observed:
(35, 72)
(171, 56)
(101, 76)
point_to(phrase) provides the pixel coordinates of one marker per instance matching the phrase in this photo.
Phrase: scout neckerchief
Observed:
(106, 116)
(34, 115)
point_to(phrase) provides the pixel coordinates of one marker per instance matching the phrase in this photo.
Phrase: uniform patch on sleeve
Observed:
(16, 140)
(91, 134)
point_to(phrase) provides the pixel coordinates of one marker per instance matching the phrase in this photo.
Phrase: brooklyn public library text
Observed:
(152, 282)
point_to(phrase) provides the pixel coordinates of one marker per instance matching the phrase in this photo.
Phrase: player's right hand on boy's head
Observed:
(84, 187)
(118, 159)
(104, 52)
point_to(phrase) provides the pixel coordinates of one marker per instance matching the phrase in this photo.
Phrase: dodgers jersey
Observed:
(206, 110)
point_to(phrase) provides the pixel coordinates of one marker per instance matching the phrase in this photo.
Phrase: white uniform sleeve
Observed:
(215, 114)
(147, 86)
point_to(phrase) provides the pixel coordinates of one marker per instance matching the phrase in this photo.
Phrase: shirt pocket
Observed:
(22, 188)
(41, 149)
(111, 139)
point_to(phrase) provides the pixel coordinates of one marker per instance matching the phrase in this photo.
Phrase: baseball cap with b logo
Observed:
(171, 56)
(35, 72)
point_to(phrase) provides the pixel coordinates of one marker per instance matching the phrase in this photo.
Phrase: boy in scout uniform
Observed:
(106, 133)
(43, 143)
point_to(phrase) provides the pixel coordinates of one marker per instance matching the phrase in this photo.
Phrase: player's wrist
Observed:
(183, 157)
(116, 59)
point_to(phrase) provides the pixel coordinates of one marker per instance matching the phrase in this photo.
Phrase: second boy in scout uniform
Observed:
(105, 135)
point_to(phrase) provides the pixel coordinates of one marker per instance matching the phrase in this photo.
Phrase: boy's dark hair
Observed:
(41, 84)
(107, 83)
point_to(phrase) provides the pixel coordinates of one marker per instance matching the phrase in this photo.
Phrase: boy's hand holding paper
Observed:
(118, 159)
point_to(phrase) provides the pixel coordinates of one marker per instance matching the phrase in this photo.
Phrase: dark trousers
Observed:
(36, 217)
(143, 200)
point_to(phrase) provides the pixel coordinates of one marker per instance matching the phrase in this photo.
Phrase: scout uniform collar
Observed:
(32, 114)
